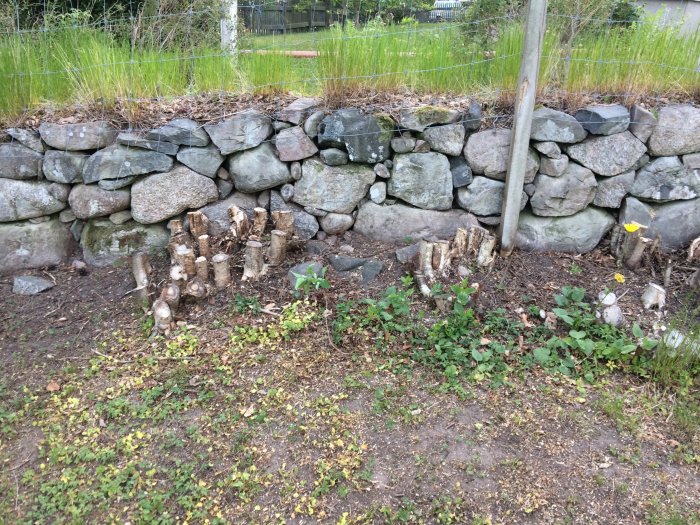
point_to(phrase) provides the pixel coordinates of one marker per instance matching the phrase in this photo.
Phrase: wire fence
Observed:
(131, 53)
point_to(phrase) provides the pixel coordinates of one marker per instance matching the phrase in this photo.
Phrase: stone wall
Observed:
(423, 172)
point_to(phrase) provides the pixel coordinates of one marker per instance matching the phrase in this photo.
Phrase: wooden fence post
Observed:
(522, 123)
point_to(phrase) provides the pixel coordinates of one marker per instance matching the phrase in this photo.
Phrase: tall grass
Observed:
(647, 58)
(85, 64)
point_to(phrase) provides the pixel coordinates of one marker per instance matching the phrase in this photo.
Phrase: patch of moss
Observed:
(387, 126)
(427, 115)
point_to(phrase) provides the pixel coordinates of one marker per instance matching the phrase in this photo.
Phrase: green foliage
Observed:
(389, 315)
(454, 344)
(589, 347)
(242, 304)
(310, 282)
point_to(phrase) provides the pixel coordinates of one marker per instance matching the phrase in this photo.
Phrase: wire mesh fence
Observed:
(127, 51)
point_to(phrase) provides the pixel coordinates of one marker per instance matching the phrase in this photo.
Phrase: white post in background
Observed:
(229, 25)
(522, 123)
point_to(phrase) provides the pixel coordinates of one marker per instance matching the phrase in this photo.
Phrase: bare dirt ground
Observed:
(261, 409)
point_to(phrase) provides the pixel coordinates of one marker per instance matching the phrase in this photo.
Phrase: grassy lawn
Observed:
(81, 65)
(346, 405)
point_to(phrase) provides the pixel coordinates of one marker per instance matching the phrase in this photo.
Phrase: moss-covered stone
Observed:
(417, 119)
(104, 242)
(387, 126)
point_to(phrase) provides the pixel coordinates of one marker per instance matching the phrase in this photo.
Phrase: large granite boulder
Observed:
(92, 201)
(205, 161)
(65, 167)
(335, 189)
(28, 245)
(666, 179)
(30, 285)
(578, 233)
(399, 223)
(21, 199)
(336, 223)
(642, 122)
(217, 212)
(677, 132)
(258, 169)
(77, 137)
(244, 131)
(367, 138)
(484, 197)
(164, 195)
(553, 167)
(608, 155)
(447, 139)
(611, 190)
(377, 192)
(297, 111)
(487, 154)
(293, 144)
(556, 126)
(19, 162)
(27, 138)
(123, 163)
(675, 223)
(104, 242)
(604, 119)
(472, 116)
(312, 122)
(305, 224)
(692, 161)
(422, 179)
(181, 131)
(334, 157)
(419, 118)
(461, 172)
(137, 141)
(565, 195)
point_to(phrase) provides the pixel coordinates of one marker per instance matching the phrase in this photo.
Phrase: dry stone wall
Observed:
(424, 173)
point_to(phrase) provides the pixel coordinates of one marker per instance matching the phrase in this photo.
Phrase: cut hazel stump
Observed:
(178, 275)
(204, 246)
(196, 288)
(277, 252)
(184, 257)
(199, 224)
(284, 221)
(202, 266)
(240, 226)
(141, 269)
(254, 266)
(259, 223)
(171, 295)
(162, 316)
(222, 272)
(441, 257)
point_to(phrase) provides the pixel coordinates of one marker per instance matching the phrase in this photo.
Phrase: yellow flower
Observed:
(620, 278)
(632, 227)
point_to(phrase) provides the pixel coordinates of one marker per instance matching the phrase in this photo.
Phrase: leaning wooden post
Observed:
(522, 123)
